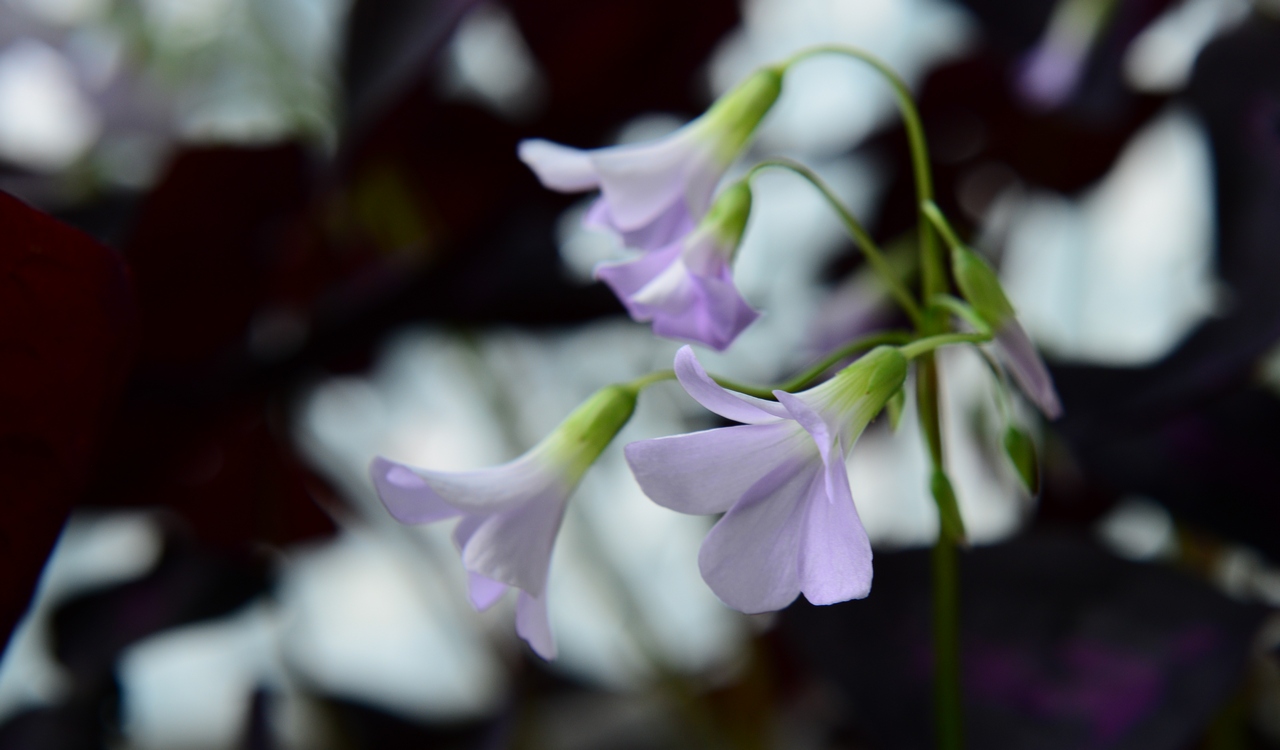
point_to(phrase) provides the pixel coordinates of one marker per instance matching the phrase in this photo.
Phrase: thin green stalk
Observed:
(814, 371)
(644, 381)
(946, 644)
(962, 310)
(933, 282)
(874, 255)
(923, 346)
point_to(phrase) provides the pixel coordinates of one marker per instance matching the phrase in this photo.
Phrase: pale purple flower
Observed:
(686, 288)
(789, 525)
(509, 515)
(653, 193)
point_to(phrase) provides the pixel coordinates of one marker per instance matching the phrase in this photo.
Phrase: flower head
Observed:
(510, 514)
(789, 525)
(653, 193)
(686, 288)
(981, 287)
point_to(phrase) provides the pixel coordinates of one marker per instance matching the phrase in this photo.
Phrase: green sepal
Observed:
(726, 220)
(734, 116)
(1022, 452)
(896, 404)
(980, 286)
(950, 522)
(583, 435)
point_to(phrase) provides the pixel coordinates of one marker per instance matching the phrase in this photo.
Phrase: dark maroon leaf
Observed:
(68, 331)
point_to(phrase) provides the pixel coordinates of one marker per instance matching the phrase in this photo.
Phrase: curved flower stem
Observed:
(926, 345)
(934, 280)
(962, 310)
(874, 255)
(644, 381)
(814, 371)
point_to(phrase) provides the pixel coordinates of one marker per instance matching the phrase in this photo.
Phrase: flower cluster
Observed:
(789, 523)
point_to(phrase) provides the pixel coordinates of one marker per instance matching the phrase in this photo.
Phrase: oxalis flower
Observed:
(789, 524)
(979, 284)
(510, 514)
(686, 288)
(653, 193)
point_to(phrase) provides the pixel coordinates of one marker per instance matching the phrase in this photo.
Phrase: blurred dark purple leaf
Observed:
(68, 331)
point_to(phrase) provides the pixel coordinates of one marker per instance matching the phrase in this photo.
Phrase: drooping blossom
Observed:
(789, 524)
(686, 288)
(981, 287)
(509, 515)
(656, 192)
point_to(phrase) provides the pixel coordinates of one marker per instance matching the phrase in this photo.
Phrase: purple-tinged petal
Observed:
(534, 626)
(706, 472)
(514, 546)
(495, 489)
(640, 182)
(693, 308)
(1028, 369)
(808, 417)
(672, 224)
(407, 496)
(568, 170)
(627, 277)
(835, 554)
(730, 405)
(750, 558)
(484, 592)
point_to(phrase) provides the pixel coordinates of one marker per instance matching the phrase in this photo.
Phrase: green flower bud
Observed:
(735, 116)
(1022, 452)
(981, 287)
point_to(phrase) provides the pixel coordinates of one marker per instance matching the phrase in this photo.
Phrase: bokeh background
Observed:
(317, 245)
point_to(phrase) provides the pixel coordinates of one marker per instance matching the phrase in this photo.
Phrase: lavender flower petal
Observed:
(484, 592)
(749, 559)
(627, 277)
(534, 626)
(514, 547)
(706, 472)
(407, 496)
(559, 167)
(669, 226)
(730, 405)
(835, 553)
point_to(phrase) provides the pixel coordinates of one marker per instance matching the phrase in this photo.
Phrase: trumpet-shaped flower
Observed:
(654, 193)
(789, 524)
(979, 284)
(686, 288)
(510, 514)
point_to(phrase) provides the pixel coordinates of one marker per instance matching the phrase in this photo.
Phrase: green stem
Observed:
(946, 644)
(933, 279)
(815, 371)
(933, 282)
(962, 310)
(874, 255)
(644, 381)
(939, 222)
(926, 345)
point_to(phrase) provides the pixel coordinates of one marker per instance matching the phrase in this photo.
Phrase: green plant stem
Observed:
(921, 347)
(933, 274)
(874, 255)
(644, 381)
(814, 371)
(933, 282)
(946, 644)
(962, 310)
